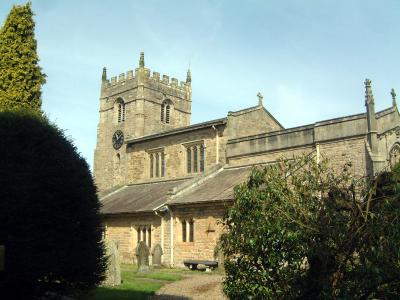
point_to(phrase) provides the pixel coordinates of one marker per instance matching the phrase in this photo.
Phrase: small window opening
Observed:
(191, 231)
(183, 231)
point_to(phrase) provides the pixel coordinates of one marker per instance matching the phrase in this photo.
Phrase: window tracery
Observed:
(195, 158)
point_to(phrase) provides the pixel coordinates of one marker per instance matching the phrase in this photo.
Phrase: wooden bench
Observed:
(192, 264)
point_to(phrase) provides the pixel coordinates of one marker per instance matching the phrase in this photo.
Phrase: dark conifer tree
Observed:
(49, 211)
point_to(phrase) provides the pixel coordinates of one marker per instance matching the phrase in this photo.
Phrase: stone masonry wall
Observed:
(123, 229)
(207, 230)
(174, 147)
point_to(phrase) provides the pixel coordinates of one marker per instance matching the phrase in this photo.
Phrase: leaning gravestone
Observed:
(2, 257)
(113, 273)
(142, 254)
(157, 252)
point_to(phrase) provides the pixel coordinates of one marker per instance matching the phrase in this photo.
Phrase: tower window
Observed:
(166, 108)
(195, 158)
(167, 111)
(157, 164)
(120, 110)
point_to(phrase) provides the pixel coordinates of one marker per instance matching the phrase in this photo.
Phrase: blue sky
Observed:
(308, 58)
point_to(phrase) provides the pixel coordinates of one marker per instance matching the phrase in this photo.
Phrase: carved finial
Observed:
(393, 93)
(369, 98)
(141, 61)
(260, 98)
(189, 76)
(104, 75)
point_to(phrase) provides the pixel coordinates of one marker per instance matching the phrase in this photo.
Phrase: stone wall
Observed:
(250, 121)
(207, 230)
(123, 229)
(174, 148)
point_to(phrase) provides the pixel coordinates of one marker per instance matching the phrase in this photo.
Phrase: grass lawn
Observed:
(137, 285)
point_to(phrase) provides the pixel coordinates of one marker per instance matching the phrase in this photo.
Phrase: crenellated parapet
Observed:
(143, 75)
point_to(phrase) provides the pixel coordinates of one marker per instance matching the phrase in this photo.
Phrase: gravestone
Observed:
(113, 273)
(2, 257)
(142, 255)
(157, 252)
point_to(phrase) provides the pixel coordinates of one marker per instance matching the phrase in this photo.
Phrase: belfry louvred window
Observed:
(157, 166)
(166, 108)
(120, 110)
(195, 158)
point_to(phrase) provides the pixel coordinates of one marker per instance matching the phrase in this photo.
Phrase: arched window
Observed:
(120, 110)
(191, 231)
(195, 159)
(189, 159)
(394, 155)
(151, 165)
(157, 165)
(166, 109)
(183, 231)
(144, 231)
(201, 158)
(162, 164)
(138, 234)
(149, 236)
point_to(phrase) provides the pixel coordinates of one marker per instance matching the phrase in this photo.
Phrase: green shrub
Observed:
(298, 230)
(49, 210)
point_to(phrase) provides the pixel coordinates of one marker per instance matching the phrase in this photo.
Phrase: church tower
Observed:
(134, 105)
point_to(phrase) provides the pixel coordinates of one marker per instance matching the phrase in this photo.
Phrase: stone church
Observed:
(167, 182)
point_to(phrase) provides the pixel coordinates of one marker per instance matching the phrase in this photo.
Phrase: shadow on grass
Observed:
(105, 293)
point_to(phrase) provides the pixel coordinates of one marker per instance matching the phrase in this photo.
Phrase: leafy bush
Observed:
(49, 211)
(297, 230)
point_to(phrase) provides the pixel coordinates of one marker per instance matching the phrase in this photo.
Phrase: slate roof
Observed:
(138, 197)
(146, 197)
(217, 188)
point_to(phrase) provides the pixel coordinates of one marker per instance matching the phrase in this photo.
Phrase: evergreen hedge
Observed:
(49, 211)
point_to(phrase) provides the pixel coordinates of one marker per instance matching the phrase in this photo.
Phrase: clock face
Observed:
(118, 139)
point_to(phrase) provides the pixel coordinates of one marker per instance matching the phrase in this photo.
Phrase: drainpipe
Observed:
(217, 146)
